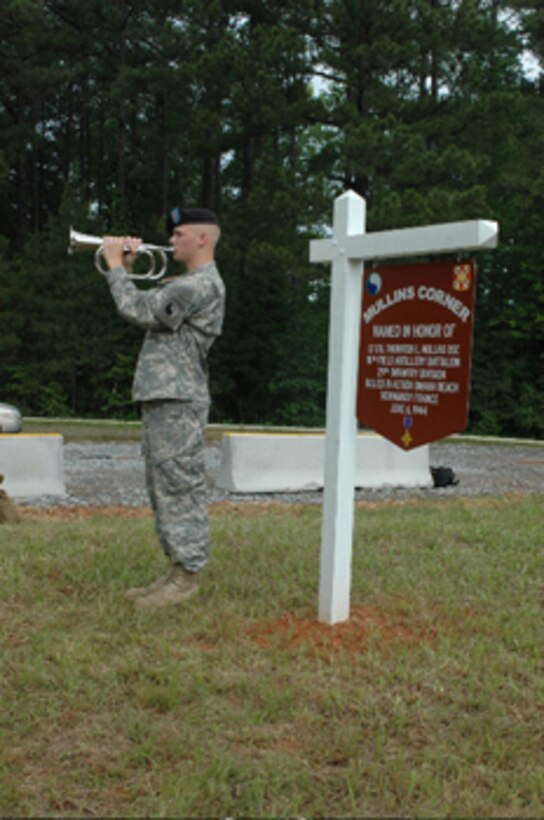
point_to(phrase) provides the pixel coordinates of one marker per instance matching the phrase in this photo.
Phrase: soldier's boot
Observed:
(180, 586)
(139, 592)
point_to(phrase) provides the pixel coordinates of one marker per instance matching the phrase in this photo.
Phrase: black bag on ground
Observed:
(443, 476)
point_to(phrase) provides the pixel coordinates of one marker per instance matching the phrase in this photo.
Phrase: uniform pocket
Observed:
(182, 472)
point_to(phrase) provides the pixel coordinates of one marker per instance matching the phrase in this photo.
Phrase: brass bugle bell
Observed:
(86, 242)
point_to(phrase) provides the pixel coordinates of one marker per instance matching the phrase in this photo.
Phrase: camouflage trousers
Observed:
(173, 449)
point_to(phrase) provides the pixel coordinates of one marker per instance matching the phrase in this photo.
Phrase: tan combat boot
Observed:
(138, 592)
(179, 587)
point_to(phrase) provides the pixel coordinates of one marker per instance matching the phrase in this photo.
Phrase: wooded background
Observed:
(263, 111)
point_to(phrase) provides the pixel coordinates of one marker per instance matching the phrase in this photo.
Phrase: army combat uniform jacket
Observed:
(182, 318)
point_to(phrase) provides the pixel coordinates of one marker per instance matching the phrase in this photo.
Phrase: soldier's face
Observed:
(185, 242)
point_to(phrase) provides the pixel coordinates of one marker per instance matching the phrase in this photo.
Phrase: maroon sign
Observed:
(416, 344)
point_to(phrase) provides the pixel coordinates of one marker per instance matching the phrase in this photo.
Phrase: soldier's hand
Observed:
(120, 251)
(132, 243)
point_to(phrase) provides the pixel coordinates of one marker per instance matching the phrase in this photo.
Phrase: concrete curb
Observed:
(32, 464)
(289, 462)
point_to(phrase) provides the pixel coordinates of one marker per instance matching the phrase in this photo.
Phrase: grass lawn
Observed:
(428, 702)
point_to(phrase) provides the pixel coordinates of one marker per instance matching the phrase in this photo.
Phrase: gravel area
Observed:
(108, 474)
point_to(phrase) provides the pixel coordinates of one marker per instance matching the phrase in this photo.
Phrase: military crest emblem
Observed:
(462, 277)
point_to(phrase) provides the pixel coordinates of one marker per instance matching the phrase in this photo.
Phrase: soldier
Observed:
(182, 318)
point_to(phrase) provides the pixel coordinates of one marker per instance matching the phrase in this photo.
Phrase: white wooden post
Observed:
(339, 477)
(347, 250)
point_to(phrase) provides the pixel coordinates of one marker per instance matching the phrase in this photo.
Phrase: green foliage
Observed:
(264, 112)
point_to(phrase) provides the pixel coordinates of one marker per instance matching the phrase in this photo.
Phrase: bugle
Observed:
(86, 242)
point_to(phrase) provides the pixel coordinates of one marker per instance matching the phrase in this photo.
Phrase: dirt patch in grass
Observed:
(76, 513)
(249, 509)
(252, 509)
(366, 624)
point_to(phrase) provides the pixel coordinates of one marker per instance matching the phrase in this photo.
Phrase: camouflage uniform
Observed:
(182, 318)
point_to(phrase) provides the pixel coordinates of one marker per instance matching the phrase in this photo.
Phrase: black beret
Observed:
(190, 216)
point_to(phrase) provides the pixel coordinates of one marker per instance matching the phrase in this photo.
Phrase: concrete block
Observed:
(32, 464)
(277, 462)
